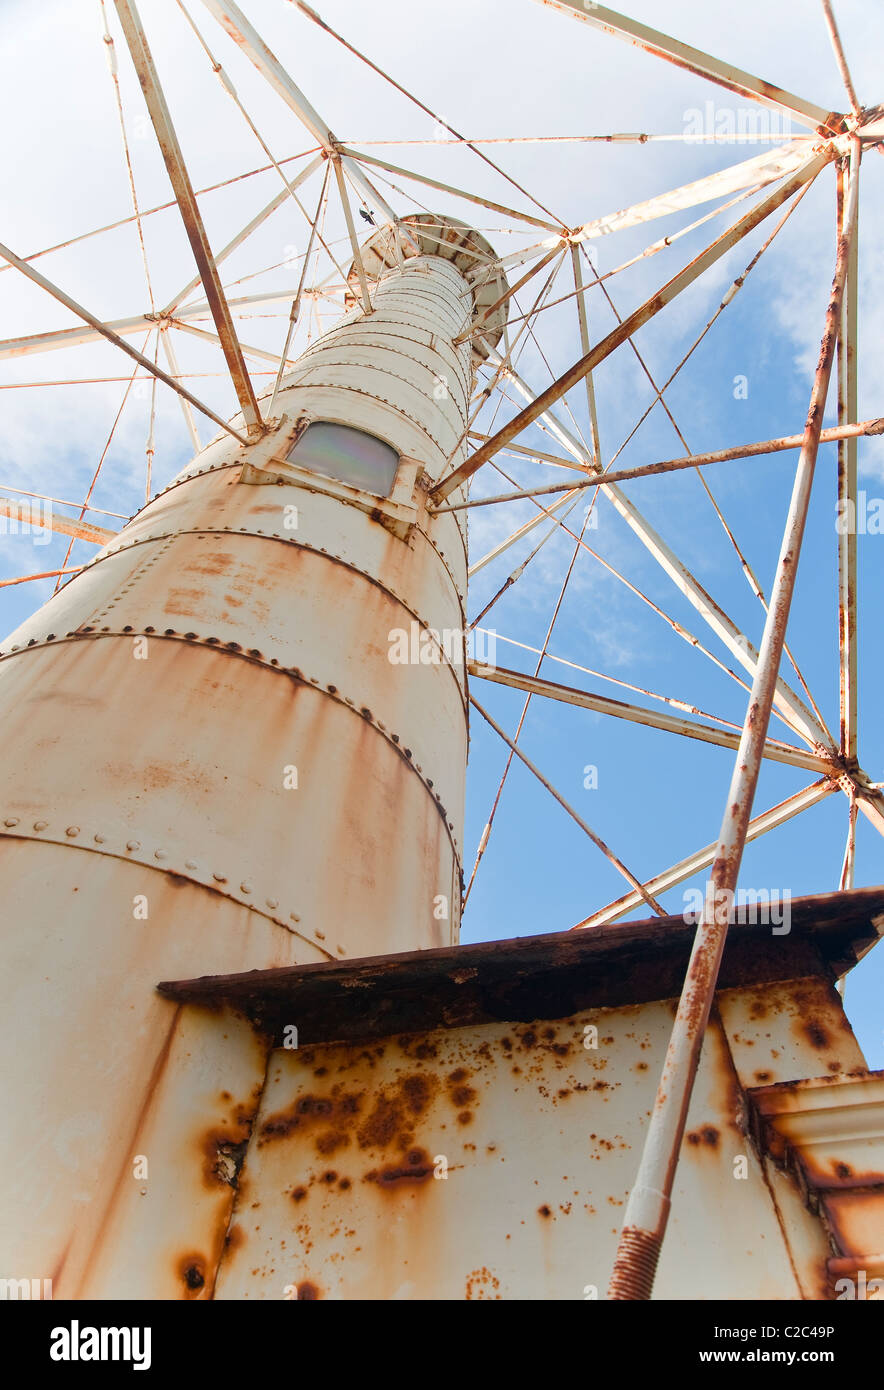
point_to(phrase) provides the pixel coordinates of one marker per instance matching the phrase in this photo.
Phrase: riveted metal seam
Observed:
(431, 320)
(134, 578)
(335, 360)
(373, 396)
(426, 320)
(425, 279)
(441, 556)
(302, 484)
(445, 297)
(342, 334)
(303, 382)
(450, 322)
(342, 328)
(323, 353)
(167, 537)
(430, 286)
(170, 487)
(19, 832)
(203, 644)
(343, 331)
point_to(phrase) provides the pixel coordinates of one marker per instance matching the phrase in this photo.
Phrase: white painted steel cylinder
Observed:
(214, 765)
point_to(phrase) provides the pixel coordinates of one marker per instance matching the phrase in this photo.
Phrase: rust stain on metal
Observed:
(416, 1167)
(192, 1274)
(482, 1284)
(706, 1137)
(333, 1113)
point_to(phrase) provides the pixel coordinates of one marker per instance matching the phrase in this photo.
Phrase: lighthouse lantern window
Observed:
(350, 455)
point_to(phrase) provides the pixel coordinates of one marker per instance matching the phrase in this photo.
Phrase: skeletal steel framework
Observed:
(344, 179)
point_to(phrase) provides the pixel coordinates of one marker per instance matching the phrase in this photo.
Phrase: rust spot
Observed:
(306, 1291)
(344, 1184)
(463, 1095)
(298, 1194)
(481, 1283)
(417, 1167)
(465, 1117)
(816, 1033)
(843, 1170)
(762, 1076)
(192, 1272)
(417, 1091)
(329, 1143)
(394, 1111)
(333, 1114)
(706, 1134)
(382, 1124)
(215, 563)
(329, 1177)
(544, 1210)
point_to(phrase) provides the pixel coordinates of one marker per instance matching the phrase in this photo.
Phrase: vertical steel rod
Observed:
(848, 173)
(583, 320)
(647, 1211)
(840, 57)
(351, 232)
(296, 302)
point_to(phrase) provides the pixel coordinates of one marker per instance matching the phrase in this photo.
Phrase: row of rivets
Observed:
(133, 846)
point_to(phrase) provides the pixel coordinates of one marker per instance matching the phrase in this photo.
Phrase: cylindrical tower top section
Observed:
(447, 239)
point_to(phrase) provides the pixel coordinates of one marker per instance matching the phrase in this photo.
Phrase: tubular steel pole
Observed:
(596, 839)
(105, 332)
(647, 1211)
(625, 329)
(179, 178)
(649, 470)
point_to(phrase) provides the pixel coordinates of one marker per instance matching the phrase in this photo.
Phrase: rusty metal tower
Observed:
(285, 626)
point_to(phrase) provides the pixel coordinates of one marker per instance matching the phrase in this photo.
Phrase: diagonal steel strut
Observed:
(193, 222)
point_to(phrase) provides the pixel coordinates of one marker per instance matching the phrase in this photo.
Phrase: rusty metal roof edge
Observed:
(524, 978)
(817, 1094)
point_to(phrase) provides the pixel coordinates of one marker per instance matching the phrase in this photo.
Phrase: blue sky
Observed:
(659, 797)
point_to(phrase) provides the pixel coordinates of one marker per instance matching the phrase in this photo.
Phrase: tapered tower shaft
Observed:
(236, 740)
